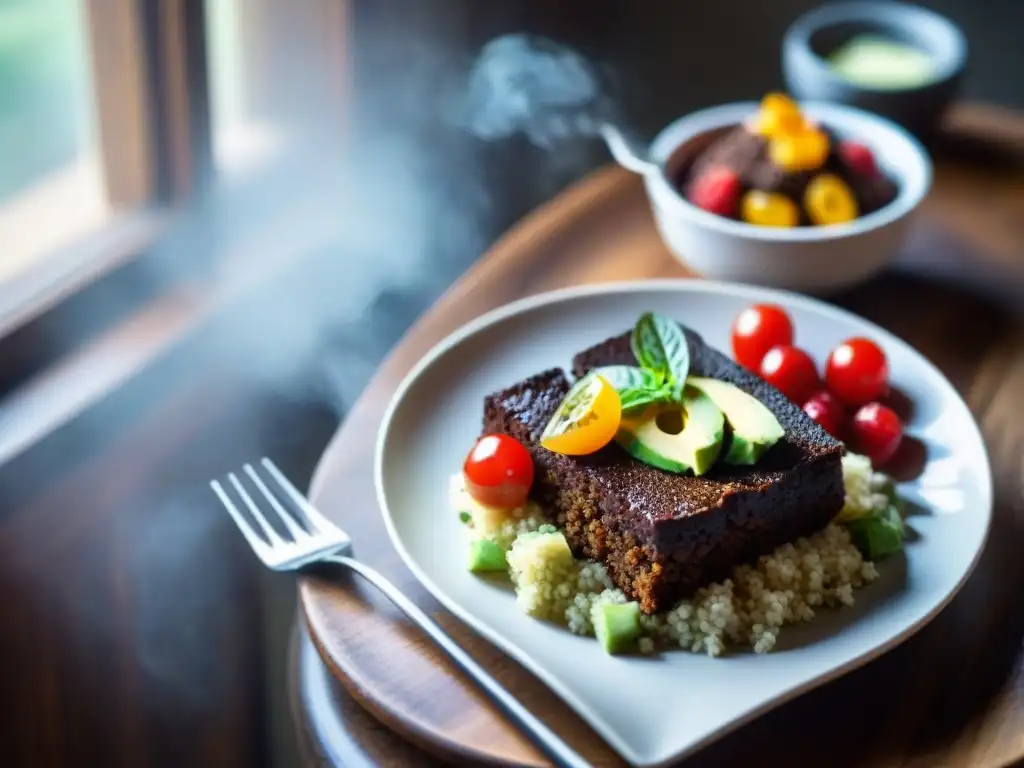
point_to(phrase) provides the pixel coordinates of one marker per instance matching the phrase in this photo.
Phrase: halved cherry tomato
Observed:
(792, 371)
(857, 372)
(876, 432)
(499, 471)
(825, 409)
(756, 330)
(587, 420)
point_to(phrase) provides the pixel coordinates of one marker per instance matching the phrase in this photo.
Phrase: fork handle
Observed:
(546, 740)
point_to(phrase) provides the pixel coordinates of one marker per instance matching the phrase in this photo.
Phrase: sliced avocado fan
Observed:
(692, 443)
(754, 428)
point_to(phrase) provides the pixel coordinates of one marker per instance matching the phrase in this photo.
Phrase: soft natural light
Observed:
(56, 210)
(239, 141)
(45, 100)
(51, 180)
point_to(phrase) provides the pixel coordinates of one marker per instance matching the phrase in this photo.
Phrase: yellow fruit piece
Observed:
(773, 124)
(779, 115)
(829, 200)
(779, 103)
(587, 419)
(804, 150)
(768, 209)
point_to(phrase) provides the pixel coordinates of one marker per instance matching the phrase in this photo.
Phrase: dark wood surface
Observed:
(970, 714)
(137, 627)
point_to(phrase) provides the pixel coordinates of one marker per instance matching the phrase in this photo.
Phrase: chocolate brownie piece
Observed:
(662, 534)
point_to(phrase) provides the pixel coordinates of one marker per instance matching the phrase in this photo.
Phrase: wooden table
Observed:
(952, 695)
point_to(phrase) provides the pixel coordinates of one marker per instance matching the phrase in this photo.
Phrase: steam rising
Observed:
(419, 197)
(531, 85)
(384, 224)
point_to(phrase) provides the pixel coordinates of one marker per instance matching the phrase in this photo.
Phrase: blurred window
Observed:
(51, 181)
(276, 70)
(240, 139)
(114, 111)
(99, 132)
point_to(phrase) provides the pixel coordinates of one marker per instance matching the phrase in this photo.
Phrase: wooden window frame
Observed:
(149, 73)
(148, 79)
(52, 366)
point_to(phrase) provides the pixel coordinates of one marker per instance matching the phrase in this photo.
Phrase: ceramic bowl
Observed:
(813, 260)
(818, 33)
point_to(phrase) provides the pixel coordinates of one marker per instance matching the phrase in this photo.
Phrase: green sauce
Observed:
(877, 62)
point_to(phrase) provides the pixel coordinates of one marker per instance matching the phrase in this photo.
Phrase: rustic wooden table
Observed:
(952, 695)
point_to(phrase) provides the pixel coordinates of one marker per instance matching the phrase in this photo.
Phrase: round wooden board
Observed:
(952, 695)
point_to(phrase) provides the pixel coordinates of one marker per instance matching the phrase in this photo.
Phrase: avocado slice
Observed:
(692, 443)
(754, 428)
(617, 625)
(486, 556)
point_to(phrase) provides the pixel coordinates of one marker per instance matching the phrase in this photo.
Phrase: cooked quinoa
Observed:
(501, 525)
(747, 610)
(865, 488)
(785, 587)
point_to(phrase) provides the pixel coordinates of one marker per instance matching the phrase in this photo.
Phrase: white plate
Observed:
(436, 415)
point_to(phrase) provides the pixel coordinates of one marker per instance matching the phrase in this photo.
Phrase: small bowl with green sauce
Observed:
(897, 60)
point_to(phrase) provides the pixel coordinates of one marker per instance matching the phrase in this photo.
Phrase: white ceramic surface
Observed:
(810, 259)
(436, 416)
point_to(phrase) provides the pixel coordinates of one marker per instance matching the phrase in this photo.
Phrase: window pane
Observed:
(51, 180)
(243, 137)
(44, 90)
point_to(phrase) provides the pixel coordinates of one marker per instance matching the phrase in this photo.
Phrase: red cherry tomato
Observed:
(876, 432)
(756, 330)
(825, 409)
(857, 372)
(499, 471)
(792, 371)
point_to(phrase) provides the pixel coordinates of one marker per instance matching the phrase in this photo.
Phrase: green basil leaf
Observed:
(635, 398)
(629, 377)
(659, 345)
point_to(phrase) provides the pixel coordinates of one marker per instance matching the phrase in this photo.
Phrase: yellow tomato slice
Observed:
(775, 124)
(778, 115)
(777, 101)
(768, 209)
(829, 200)
(802, 151)
(587, 419)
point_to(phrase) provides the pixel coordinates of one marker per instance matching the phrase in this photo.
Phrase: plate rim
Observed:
(681, 285)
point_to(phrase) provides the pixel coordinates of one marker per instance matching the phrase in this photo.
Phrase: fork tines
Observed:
(297, 518)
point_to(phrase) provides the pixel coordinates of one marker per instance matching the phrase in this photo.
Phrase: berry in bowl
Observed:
(779, 169)
(813, 197)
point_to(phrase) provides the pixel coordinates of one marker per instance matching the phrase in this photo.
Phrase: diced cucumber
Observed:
(877, 537)
(617, 625)
(485, 556)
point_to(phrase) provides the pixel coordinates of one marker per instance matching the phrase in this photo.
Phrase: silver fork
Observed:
(313, 539)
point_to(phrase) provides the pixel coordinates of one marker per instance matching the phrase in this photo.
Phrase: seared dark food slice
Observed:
(662, 535)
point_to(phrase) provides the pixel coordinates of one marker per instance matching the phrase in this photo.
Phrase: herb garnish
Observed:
(659, 345)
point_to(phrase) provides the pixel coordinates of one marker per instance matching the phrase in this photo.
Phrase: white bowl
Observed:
(808, 259)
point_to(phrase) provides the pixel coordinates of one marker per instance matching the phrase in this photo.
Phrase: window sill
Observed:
(42, 281)
(59, 235)
(151, 304)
